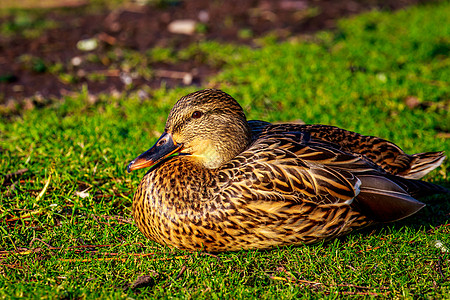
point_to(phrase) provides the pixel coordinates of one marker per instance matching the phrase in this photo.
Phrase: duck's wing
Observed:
(391, 158)
(384, 153)
(291, 167)
(257, 127)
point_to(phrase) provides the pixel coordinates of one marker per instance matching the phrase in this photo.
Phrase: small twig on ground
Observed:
(292, 278)
(311, 283)
(17, 173)
(364, 293)
(76, 260)
(117, 218)
(103, 36)
(212, 255)
(360, 287)
(183, 269)
(171, 74)
(439, 268)
(15, 266)
(36, 239)
(368, 249)
(26, 216)
(48, 245)
(185, 76)
(119, 259)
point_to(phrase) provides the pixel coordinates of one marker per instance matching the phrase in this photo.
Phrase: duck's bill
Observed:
(164, 147)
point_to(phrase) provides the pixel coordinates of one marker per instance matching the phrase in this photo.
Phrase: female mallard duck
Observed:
(246, 185)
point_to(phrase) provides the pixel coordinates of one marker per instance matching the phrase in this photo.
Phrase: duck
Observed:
(218, 182)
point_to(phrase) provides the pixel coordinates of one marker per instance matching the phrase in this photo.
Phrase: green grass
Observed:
(357, 78)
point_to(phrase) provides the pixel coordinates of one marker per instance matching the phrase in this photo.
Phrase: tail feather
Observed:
(382, 200)
(423, 163)
(418, 188)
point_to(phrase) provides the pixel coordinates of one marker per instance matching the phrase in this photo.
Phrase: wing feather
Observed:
(384, 154)
(291, 165)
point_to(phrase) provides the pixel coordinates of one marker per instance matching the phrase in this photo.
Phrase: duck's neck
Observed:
(209, 156)
(223, 145)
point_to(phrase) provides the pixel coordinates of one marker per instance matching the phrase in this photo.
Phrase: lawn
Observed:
(66, 227)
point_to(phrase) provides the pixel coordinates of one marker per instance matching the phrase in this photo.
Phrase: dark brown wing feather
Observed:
(287, 165)
(386, 155)
(383, 200)
(290, 165)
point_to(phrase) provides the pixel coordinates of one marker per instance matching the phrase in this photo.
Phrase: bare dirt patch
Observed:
(32, 66)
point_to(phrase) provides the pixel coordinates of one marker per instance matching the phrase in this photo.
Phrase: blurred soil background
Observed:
(51, 48)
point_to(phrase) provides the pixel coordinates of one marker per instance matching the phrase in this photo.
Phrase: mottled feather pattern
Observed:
(271, 185)
(383, 153)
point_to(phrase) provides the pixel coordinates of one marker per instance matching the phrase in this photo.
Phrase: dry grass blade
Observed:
(368, 249)
(293, 280)
(364, 293)
(116, 218)
(41, 194)
(360, 287)
(76, 260)
(26, 216)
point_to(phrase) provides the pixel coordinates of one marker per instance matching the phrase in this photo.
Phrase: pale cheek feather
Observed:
(206, 152)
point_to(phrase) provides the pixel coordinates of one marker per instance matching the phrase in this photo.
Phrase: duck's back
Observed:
(290, 165)
(386, 155)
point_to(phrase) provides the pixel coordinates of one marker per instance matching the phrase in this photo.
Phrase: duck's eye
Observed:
(197, 114)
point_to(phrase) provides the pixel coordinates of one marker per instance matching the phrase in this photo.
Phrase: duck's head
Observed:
(209, 125)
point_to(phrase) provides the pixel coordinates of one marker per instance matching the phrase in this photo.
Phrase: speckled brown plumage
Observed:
(245, 185)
